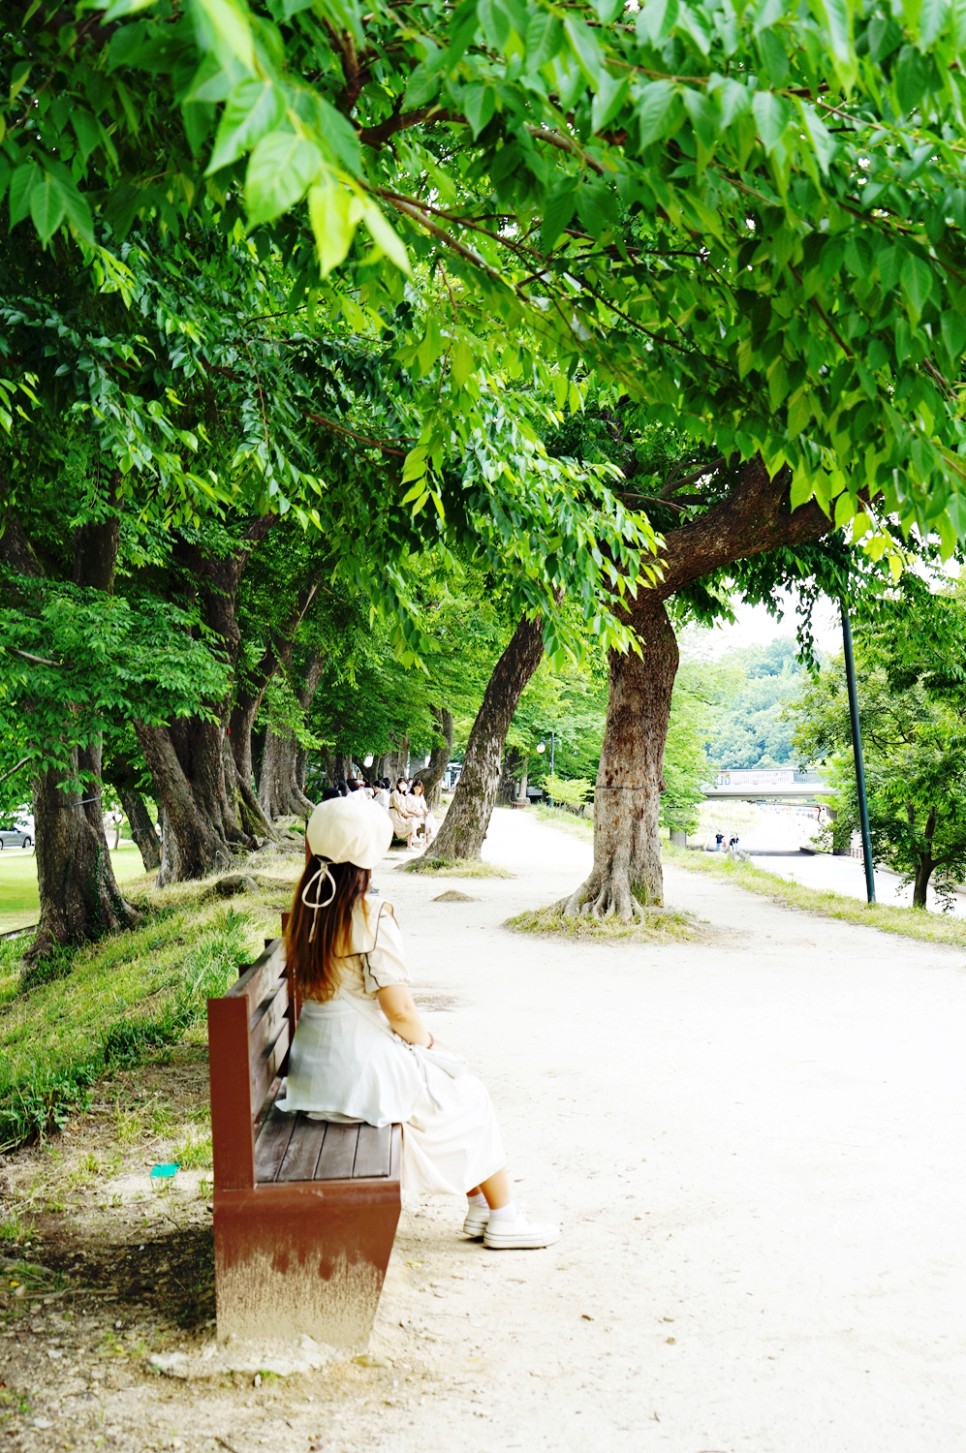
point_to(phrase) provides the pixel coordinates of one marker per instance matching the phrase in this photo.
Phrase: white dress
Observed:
(347, 1063)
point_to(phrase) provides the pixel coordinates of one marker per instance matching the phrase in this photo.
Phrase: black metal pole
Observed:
(857, 755)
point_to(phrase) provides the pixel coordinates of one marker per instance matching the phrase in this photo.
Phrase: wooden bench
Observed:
(305, 1211)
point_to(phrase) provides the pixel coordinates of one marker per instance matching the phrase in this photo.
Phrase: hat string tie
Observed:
(318, 877)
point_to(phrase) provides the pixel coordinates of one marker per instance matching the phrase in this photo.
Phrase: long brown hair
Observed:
(313, 959)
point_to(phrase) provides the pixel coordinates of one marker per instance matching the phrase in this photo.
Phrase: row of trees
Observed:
(302, 299)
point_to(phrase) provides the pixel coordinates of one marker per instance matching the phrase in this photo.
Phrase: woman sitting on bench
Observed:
(361, 1052)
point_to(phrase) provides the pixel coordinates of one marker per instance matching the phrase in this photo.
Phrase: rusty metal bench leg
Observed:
(307, 1258)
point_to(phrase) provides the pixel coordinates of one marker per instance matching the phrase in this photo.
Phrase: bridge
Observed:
(783, 784)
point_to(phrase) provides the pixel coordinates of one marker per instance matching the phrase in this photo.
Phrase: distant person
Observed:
(427, 822)
(719, 841)
(406, 819)
(361, 1051)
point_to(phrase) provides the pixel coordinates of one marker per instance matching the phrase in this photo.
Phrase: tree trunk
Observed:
(465, 824)
(280, 791)
(753, 518)
(142, 828)
(189, 784)
(920, 886)
(627, 855)
(80, 900)
(432, 775)
(195, 775)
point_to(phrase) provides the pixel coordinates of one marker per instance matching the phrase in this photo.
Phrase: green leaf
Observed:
(954, 335)
(558, 209)
(119, 8)
(334, 213)
(386, 238)
(835, 16)
(280, 170)
(223, 26)
(654, 110)
(462, 362)
(656, 20)
(47, 206)
(913, 76)
(22, 183)
(771, 116)
(543, 39)
(704, 116)
(586, 48)
(479, 103)
(610, 97)
(915, 276)
(254, 108)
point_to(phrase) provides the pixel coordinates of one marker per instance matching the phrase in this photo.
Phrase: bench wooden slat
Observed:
(269, 1016)
(303, 1151)
(374, 1152)
(338, 1153)
(257, 983)
(266, 1068)
(272, 1142)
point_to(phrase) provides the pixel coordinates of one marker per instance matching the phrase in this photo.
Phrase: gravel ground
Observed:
(754, 1145)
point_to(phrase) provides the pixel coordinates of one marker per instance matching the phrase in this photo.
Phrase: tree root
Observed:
(609, 899)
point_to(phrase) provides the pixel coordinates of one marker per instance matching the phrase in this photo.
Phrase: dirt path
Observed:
(755, 1147)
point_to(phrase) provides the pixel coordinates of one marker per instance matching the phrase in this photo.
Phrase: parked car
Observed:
(20, 836)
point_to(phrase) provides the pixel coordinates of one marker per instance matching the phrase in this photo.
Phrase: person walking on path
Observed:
(361, 1051)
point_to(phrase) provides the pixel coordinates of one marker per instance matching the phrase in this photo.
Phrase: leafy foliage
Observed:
(766, 205)
(913, 712)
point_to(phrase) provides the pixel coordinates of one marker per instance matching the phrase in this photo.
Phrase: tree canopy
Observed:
(752, 216)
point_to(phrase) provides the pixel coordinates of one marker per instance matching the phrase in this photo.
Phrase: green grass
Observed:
(560, 817)
(19, 903)
(454, 868)
(658, 925)
(905, 922)
(111, 1004)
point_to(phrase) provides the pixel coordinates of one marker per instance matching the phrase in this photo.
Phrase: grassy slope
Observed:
(70, 1020)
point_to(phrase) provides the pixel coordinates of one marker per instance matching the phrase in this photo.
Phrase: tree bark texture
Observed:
(80, 900)
(280, 791)
(627, 854)
(142, 828)
(465, 824)
(754, 517)
(194, 772)
(432, 775)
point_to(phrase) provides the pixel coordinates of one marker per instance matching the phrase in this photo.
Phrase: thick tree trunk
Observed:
(142, 828)
(432, 775)
(280, 791)
(189, 785)
(80, 900)
(466, 822)
(627, 855)
(195, 774)
(753, 518)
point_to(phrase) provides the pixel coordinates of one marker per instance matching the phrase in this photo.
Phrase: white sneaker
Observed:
(519, 1234)
(475, 1223)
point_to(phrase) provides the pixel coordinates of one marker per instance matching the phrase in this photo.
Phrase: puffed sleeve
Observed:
(385, 963)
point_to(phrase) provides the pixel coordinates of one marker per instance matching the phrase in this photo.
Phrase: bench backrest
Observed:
(249, 1032)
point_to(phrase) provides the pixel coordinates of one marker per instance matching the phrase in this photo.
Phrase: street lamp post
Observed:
(542, 747)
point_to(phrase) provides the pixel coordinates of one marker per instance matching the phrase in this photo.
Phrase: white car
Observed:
(19, 836)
